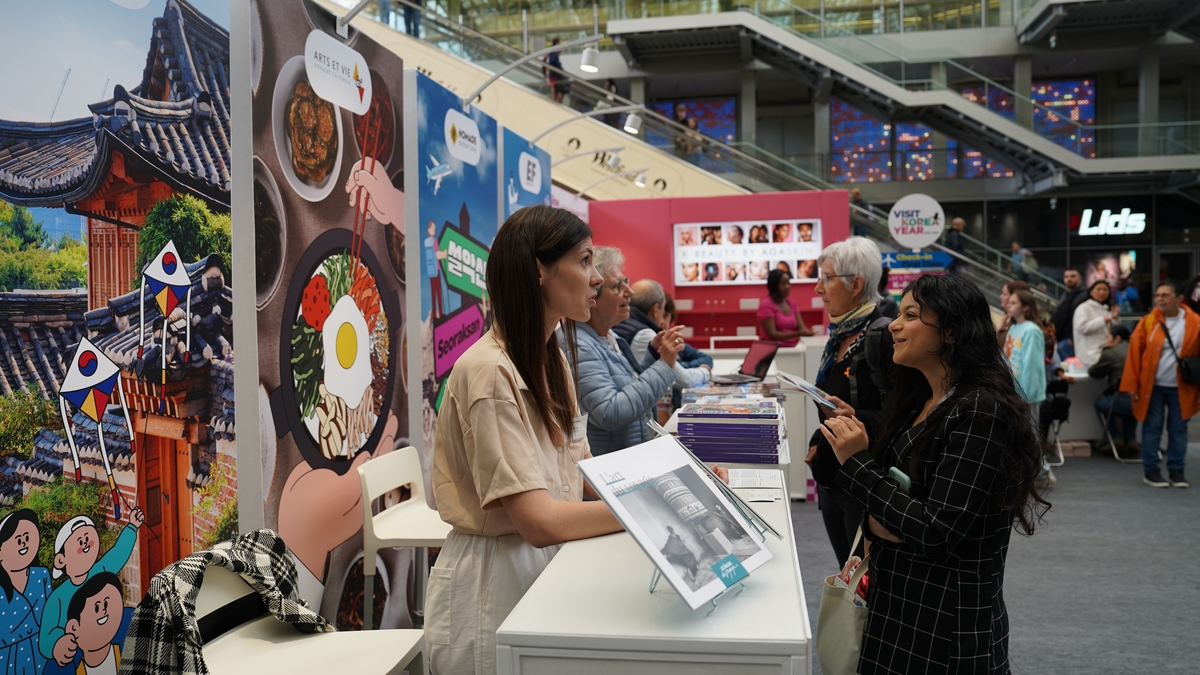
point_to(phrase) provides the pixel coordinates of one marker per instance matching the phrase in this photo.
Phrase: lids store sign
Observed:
(1125, 222)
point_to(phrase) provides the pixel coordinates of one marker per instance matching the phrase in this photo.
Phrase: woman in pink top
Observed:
(779, 317)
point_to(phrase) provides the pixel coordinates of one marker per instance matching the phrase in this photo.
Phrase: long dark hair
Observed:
(973, 363)
(531, 235)
(6, 532)
(773, 278)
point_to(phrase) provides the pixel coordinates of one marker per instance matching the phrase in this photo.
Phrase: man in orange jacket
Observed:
(1153, 381)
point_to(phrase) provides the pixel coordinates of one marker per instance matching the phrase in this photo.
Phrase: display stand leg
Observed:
(654, 579)
(741, 588)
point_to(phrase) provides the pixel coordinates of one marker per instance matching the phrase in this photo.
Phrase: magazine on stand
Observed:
(681, 519)
(803, 386)
(747, 512)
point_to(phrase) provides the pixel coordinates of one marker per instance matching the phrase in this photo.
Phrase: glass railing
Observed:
(910, 68)
(515, 22)
(870, 220)
(670, 137)
(854, 30)
(746, 165)
(883, 166)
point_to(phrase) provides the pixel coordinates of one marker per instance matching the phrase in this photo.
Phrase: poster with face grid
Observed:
(744, 252)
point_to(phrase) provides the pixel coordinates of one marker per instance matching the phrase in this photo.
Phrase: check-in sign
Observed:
(465, 263)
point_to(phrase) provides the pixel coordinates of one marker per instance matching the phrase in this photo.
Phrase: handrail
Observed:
(1050, 281)
(715, 153)
(974, 74)
(775, 172)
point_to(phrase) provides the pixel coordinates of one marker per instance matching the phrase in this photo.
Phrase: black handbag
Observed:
(1189, 368)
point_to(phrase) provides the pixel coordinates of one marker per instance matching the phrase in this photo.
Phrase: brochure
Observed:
(803, 386)
(682, 521)
(766, 409)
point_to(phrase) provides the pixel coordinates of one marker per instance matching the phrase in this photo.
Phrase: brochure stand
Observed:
(747, 512)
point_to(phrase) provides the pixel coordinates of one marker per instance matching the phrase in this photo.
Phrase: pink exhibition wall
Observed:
(642, 229)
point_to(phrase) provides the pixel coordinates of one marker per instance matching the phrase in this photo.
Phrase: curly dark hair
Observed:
(973, 363)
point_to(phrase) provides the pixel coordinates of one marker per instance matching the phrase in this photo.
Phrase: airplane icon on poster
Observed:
(437, 172)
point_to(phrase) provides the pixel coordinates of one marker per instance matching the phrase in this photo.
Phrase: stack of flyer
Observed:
(713, 392)
(732, 430)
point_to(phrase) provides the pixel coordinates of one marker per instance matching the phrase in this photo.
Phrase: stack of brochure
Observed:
(733, 431)
(722, 391)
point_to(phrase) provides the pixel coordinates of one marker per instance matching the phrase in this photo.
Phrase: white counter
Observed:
(591, 613)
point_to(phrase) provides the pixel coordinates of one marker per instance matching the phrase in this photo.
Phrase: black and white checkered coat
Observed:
(935, 601)
(164, 636)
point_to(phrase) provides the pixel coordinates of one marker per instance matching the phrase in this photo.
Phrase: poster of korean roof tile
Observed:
(117, 445)
(330, 286)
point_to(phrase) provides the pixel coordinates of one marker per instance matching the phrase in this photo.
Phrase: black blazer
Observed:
(936, 601)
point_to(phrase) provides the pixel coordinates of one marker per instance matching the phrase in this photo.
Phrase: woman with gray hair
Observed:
(617, 390)
(854, 372)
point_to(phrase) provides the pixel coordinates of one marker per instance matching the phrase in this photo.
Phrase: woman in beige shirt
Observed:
(508, 438)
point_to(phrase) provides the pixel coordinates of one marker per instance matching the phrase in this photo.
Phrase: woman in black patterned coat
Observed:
(956, 427)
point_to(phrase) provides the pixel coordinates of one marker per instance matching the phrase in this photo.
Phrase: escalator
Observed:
(876, 81)
(521, 100)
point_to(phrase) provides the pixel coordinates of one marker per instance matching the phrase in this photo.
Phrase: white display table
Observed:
(591, 613)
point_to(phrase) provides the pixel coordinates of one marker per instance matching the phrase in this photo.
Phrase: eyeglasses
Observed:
(616, 288)
(823, 276)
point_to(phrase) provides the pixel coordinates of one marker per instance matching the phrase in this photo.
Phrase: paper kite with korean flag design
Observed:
(170, 287)
(89, 385)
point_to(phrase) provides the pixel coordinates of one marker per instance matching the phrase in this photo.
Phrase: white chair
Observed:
(252, 641)
(409, 523)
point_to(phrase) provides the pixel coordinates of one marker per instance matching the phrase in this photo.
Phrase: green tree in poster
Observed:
(22, 416)
(18, 222)
(187, 221)
(29, 259)
(62, 499)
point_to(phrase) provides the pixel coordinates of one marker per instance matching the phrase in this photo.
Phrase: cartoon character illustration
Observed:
(512, 191)
(93, 620)
(23, 592)
(170, 287)
(76, 549)
(437, 173)
(432, 256)
(383, 202)
(89, 385)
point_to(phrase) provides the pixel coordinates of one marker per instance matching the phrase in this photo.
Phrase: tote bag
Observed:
(840, 623)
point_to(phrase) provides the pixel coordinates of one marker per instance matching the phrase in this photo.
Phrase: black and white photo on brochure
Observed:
(685, 525)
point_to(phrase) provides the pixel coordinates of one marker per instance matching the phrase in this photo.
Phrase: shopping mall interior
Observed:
(164, 160)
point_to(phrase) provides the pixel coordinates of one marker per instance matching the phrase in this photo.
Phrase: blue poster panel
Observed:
(526, 173)
(453, 208)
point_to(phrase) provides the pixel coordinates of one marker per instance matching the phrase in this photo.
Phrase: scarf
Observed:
(839, 328)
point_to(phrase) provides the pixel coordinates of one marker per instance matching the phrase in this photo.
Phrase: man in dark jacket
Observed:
(1115, 405)
(646, 311)
(954, 242)
(1064, 316)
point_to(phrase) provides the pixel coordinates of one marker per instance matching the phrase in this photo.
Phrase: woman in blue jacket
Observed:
(617, 390)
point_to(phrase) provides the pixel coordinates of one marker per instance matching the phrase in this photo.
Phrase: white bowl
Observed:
(289, 75)
(256, 47)
(263, 175)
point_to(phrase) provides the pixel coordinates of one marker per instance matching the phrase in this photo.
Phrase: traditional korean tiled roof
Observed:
(114, 330)
(176, 121)
(38, 334)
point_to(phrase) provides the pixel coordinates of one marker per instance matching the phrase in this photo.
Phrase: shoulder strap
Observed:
(1167, 332)
(872, 354)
